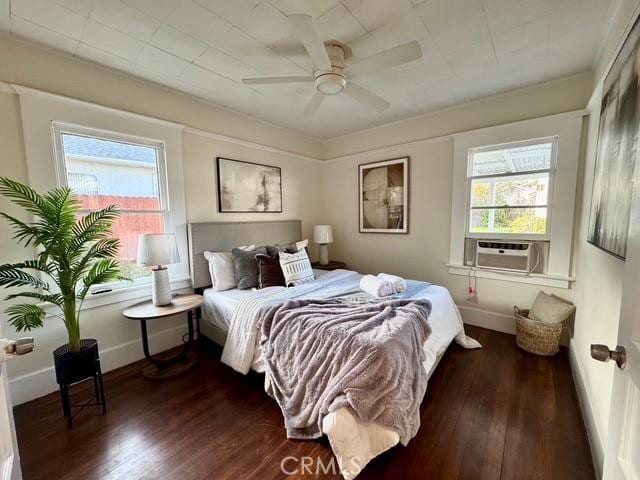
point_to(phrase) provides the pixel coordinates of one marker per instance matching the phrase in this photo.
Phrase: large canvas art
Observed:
(616, 156)
(384, 196)
(248, 187)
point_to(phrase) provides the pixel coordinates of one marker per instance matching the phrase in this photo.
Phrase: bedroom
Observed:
(446, 112)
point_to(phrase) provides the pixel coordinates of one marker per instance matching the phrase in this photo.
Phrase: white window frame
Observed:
(551, 170)
(567, 127)
(60, 128)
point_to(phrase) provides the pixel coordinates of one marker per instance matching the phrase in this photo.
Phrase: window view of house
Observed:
(509, 189)
(104, 172)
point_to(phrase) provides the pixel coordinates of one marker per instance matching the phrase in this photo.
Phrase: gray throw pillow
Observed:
(246, 266)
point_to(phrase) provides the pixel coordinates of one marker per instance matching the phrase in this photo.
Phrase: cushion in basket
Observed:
(550, 309)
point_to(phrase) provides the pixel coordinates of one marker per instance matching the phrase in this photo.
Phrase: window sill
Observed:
(547, 280)
(141, 291)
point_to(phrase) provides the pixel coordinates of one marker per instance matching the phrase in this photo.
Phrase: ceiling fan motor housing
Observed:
(333, 82)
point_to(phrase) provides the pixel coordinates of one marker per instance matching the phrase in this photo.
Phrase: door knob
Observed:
(21, 346)
(603, 354)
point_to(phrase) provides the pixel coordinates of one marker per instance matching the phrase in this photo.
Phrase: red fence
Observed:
(129, 225)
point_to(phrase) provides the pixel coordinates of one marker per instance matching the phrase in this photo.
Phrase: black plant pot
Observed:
(73, 367)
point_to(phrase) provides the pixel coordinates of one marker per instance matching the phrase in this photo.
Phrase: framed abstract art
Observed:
(384, 196)
(248, 187)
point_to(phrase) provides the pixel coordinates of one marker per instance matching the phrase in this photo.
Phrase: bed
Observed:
(229, 319)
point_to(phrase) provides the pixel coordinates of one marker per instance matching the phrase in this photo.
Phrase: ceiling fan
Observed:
(331, 75)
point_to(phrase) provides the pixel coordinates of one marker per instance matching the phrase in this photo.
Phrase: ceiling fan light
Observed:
(330, 83)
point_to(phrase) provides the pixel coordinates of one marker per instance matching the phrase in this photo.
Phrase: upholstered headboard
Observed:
(223, 236)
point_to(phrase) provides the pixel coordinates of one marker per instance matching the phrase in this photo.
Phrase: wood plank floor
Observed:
(495, 413)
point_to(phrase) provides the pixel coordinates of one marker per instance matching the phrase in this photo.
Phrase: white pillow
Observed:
(302, 244)
(550, 309)
(222, 269)
(296, 268)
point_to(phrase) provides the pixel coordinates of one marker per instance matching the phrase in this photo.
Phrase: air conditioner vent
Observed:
(511, 256)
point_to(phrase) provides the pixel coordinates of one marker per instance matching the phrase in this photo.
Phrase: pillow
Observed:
(269, 272)
(296, 268)
(550, 309)
(222, 270)
(246, 266)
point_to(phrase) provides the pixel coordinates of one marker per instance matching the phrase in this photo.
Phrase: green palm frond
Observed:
(54, 298)
(93, 226)
(24, 232)
(75, 252)
(25, 316)
(26, 197)
(14, 277)
(103, 270)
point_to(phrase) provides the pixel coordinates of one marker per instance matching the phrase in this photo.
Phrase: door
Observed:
(9, 458)
(622, 451)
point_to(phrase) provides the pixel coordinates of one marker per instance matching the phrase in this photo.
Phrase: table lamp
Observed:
(323, 235)
(157, 250)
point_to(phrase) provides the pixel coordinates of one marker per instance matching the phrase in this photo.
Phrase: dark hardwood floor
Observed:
(495, 413)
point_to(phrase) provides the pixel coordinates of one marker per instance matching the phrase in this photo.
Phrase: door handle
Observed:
(603, 354)
(21, 346)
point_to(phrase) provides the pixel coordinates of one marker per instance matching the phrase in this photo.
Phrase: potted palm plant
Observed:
(72, 253)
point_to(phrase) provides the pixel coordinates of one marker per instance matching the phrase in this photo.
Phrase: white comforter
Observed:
(354, 443)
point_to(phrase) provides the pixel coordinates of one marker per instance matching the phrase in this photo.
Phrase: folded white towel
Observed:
(399, 283)
(375, 286)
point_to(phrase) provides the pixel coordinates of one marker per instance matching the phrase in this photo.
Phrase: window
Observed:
(509, 189)
(104, 169)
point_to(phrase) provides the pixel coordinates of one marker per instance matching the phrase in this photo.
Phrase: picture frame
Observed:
(383, 196)
(247, 187)
(616, 161)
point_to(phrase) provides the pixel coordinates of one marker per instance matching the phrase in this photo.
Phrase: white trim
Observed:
(500, 322)
(246, 143)
(544, 279)
(584, 400)
(41, 382)
(22, 90)
(390, 149)
(557, 116)
(453, 107)
(140, 291)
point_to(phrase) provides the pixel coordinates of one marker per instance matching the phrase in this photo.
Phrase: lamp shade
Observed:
(157, 249)
(322, 234)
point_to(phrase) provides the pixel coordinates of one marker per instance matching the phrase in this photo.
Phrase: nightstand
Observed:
(159, 367)
(332, 265)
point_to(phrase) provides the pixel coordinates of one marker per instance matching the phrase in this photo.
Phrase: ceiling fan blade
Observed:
(313, 104)
(366, 97)
(306, 31)
(405, 53)
(274, 80)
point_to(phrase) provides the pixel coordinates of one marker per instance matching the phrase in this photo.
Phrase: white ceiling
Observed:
(471, 48)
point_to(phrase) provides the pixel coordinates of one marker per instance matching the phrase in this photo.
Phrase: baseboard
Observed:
(595, 439)
(41, 382)
(500, 322)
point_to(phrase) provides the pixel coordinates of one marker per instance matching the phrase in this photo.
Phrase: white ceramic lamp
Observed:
(323, 235)
(157, 250)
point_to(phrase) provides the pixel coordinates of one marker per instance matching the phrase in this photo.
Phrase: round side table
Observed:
(160, 367)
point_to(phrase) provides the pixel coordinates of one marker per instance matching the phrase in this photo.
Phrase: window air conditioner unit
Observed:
(509, 256)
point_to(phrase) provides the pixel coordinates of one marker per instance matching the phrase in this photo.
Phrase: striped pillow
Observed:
(296, 268)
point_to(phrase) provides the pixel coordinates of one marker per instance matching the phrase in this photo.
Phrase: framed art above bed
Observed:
(384, 196)
(245, 187)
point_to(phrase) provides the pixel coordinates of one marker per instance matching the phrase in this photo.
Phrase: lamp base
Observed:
(160, 287)
(324, 254)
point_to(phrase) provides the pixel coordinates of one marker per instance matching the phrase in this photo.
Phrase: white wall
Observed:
(424, 252)
(598, 288)
(119, 338)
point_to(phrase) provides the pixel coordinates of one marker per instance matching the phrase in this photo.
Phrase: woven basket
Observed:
(535, 336)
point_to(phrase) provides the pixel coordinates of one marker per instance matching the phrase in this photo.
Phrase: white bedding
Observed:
(353, 442)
